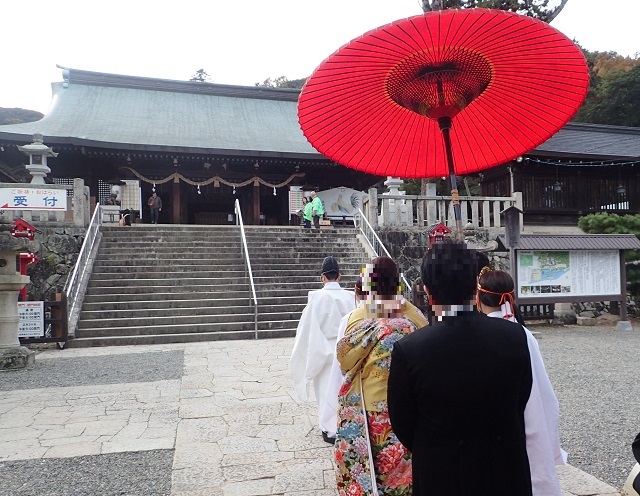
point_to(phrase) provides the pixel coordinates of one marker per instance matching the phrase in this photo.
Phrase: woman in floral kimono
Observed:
(370, 459)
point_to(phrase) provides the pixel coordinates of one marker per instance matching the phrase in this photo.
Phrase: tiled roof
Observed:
(593, 141)
(576, 242)
(118, 111)
(94, 109)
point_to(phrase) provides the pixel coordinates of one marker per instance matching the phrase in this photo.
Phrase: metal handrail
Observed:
(80, 273)
(247, 265)
(376, 244)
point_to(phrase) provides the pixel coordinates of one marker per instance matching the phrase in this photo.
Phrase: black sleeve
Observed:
(401, 400)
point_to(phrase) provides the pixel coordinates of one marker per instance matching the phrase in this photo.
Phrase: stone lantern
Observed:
(38, 153)
(12, 355)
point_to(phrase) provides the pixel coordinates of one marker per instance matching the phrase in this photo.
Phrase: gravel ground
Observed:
(96, 370)
(596, 375)
(142, 473)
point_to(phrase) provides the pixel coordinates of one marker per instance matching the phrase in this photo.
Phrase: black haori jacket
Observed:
(457, 395)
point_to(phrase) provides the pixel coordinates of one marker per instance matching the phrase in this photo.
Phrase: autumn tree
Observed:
(201, 76)
(613, 99)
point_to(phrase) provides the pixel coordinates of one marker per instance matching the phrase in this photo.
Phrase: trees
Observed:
(282, 82)
(614, 93)
(534, 8)
(18, 115)
(201, 76)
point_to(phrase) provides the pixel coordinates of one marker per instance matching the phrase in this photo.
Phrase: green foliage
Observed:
(539, 9)
(606, 223)
(18, 116)
(201, 76)
(614, 96)
(283, 82)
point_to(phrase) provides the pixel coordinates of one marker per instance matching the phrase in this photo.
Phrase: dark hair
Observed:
(357, 287)
(501, 282)
(385, 278)
(331, 275)
(483, 260)
(449, 272)
(496, 281)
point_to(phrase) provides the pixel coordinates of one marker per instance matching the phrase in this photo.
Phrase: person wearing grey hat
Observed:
(315, 343)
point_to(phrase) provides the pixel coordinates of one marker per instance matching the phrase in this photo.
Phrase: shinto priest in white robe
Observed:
(315, 344)
(541, 420)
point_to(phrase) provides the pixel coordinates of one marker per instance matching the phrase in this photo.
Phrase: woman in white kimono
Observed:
(495, 298)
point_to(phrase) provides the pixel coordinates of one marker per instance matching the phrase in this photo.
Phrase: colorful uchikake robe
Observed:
(366, 349)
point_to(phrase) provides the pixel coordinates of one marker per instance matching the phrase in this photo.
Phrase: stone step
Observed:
(143, 311)
(145, 257)
(193, 318)
(108, 295)
(178, 338)
(154, 262)
(113, 305)
(274, 269)
(161, 284)
(219, 289)
(181, 327)
(232, 273)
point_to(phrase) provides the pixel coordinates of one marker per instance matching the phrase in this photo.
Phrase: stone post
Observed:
(432, 206)
(12, 355)
(79, 203)
(373, 208)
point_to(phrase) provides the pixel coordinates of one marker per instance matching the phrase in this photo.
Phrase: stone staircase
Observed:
(168, 284)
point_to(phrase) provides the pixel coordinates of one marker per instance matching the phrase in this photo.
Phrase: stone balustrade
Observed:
(398, 210)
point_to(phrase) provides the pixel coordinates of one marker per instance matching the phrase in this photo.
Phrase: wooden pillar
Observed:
(256, 203)
(176, 201)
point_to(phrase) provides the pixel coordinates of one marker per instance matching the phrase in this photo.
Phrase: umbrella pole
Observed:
(445, 127)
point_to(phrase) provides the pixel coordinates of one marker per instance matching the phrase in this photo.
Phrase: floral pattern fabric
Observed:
(366, 349)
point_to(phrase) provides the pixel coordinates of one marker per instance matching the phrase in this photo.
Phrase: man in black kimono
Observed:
(458, 389)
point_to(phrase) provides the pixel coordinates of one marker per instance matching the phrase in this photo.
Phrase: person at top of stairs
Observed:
(315, 342)
(317, 210)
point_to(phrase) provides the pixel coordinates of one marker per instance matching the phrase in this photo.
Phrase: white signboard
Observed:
(341, 202)
(568, 273)
(33, 199)
(295, 199)
(31, 314)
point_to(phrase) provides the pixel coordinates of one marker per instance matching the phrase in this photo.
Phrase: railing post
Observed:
(518, 204)
(420, 212)
(373, 208)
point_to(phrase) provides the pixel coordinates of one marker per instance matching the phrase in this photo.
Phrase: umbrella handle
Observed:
(445, 127)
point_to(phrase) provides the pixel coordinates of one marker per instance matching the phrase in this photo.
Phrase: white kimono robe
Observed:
(328, 408)
(315, 343)
(541, 425)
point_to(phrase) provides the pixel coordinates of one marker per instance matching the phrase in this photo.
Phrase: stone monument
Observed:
(12, 355)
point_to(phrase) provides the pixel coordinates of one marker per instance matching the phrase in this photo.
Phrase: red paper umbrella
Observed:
(449, 92)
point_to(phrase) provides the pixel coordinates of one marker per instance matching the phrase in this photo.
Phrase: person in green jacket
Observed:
(317, 210)
(306, 212)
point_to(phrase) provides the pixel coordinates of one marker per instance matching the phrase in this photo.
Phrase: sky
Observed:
(235, 41)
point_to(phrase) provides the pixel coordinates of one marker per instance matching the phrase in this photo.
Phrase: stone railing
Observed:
(77, 211)
(395, 210)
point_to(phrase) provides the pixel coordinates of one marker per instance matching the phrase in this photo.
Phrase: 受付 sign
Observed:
(33, 199)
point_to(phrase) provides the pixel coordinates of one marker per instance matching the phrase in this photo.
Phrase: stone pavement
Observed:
(228, 418)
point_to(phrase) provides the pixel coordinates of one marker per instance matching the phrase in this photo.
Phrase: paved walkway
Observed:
(216, 419)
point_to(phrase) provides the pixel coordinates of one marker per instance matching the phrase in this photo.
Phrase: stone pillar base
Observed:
(17, 357)
(624, 325)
